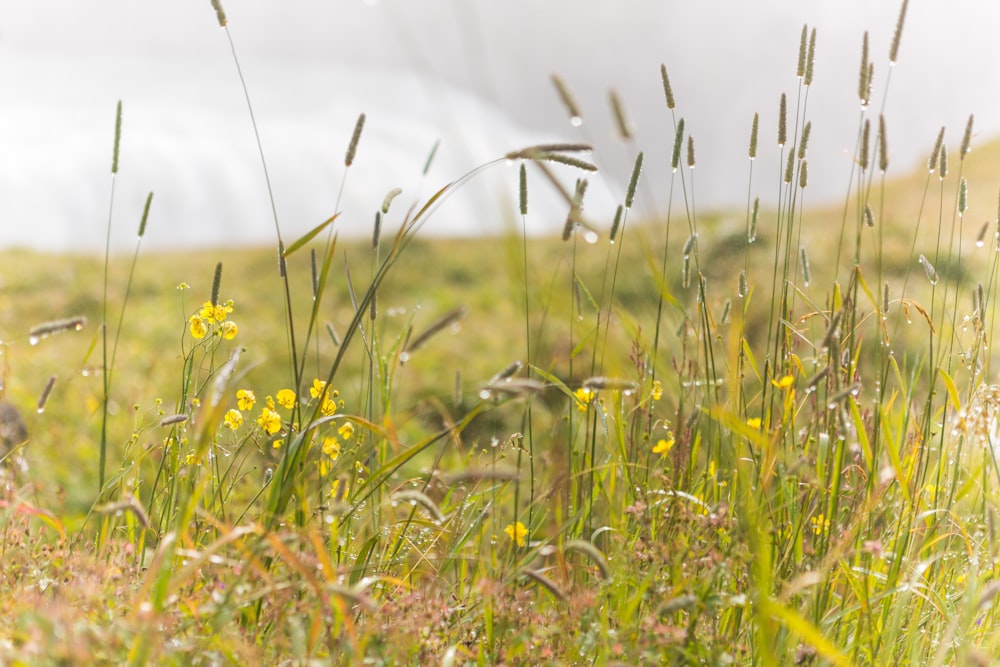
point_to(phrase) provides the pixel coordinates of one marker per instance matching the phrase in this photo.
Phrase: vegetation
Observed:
(667, 442)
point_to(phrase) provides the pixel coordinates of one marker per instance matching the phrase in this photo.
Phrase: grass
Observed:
(683, 447)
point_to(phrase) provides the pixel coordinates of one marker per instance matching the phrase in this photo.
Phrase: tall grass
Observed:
(688, 449)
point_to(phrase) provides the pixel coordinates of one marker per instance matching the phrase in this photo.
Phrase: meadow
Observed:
(756, 437)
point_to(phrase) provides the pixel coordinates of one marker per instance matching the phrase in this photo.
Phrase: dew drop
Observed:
(590, 237)
(33, 340)
(576, 121)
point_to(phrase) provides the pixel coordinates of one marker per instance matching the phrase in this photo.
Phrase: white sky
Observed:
(472, 73)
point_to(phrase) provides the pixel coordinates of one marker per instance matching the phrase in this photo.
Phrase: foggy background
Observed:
(470, 73)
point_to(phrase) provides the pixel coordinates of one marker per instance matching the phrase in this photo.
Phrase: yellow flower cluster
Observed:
(211, 319)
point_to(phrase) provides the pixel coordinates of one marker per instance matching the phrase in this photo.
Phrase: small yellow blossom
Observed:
(197, 327)
(233, 419)
(245, 399)
(517, 532)
(663, 447)
(820, 525)
(324, 467)
(183, 286)
(346, 430)
(286, 398)
(584, 395)
(269, 402)
(192, 460)
(754, 423)
(329, 406)
(784, 382)
(270, 421)
(331, 447)
(217, 312)
(338, 490)
(278, 444)
(229, 330)
(317, 388)
(930, 491)
(657, 392)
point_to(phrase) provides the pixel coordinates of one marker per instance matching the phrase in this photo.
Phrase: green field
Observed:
(696, 444)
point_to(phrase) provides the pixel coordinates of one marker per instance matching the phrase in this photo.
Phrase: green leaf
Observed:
(309, 236)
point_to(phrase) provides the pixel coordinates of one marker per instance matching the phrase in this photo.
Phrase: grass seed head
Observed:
(897, 33)
(668, 92)
(352, 148)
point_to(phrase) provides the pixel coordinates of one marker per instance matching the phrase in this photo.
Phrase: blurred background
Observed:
(472, 74)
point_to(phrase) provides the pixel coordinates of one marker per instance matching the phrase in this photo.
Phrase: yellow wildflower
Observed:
(278, 444)
(245, 399)
(754, 423)
(657, 392)
(286, 398)
(346, 430)
(324, 467)
(784, 382)
(317, 388)
(270, 421)
(197, 327)
(331, 447)
(820, 525)
(517, 532)
(229, 330)
(663, 447)
(233, 419)
(183, 286)
(338, 491)
(584, 395)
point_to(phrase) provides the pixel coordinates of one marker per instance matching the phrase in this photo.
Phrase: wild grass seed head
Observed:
(616, 223)
(216, 283)
(675, 158)
(668, 92)
(522, 189)
(622, 122)
(753, 136)
(633, 181)
(883, 145)
(387, 200)
(811, 58)
(966, 138)
(932, 161)
(800, 69)
(782, 120)
(804, 141)
(145, 214)
(352, 147)
(566, 97)
(46, 391)
(865, 145)
(864, 72)
(220, 14)
(790, 166)
(897, 33)
(118, 138)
